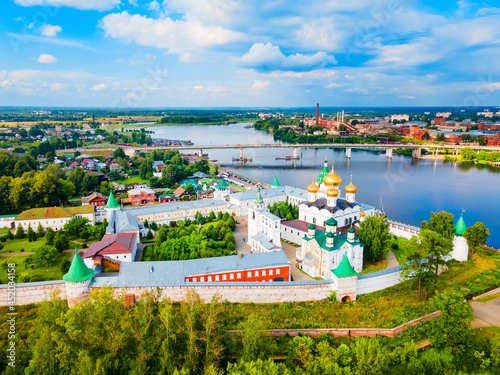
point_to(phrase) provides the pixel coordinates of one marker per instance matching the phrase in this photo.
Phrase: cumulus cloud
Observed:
(77, 4)
(176, 36)
(49, 30)
(267, 57)
(358, 90)
(99, 87)
(46, 59)
(259, 85)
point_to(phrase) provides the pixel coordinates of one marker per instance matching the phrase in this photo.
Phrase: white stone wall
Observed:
(315, 216)
(460, 250)
(372, 282)
(292, 234)
(403, 230)
(54, 223)
(34, 292)
(6, 222)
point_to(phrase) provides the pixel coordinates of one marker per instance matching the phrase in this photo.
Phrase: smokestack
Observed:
(342, 115)
(317, 114)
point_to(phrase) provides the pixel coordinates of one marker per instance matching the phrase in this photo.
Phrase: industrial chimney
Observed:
(317, 114)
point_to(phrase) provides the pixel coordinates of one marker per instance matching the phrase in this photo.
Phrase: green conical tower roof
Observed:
(276, 182)
(460, 226)
(345, 269)
(222, 185)
(112, 203)
(259, 200)
(331, 222)
(323, 173)
(78, 271)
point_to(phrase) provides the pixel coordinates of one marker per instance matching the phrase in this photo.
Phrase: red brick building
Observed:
(94, 199)
(141, 196)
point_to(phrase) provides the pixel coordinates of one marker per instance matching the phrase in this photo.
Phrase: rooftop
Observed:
(117, 243)
(53, 212)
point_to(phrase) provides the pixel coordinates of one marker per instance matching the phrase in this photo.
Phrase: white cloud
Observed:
(20, 39)
(314, 74)
(333, 85)
(99, 87)
(58, 86)
(175, 35)
(485, 11)
(358, 90)
(49, 30)
(46, 59)
(269, 57)
(77, 4)
(321, 33)
(406, 96)
(208, 12)
(154, 5)
(259, 85)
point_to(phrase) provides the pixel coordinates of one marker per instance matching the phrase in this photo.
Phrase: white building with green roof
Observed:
(263, 227)
(460, 250)
(77, 280)
(323, 251)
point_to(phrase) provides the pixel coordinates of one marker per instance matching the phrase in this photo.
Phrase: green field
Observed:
(50, 273)
(132, 180)
(15, 246)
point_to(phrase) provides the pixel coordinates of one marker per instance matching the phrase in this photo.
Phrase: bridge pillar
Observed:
(200, 154)
(348, 152)
(416, 153)
(295, 149)
(388, 152)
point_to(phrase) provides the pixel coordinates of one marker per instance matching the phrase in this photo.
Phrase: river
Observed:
(407, 191)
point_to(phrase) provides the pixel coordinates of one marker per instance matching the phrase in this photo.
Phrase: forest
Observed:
(102, 336)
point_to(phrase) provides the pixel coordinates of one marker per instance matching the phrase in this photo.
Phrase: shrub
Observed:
(32, 266)
(84, 246)
(109, 269)
(1, 246)
(3, 238)
(35, 278)
(394, 246)
(24, 278)
(65, 266)
(22, 250)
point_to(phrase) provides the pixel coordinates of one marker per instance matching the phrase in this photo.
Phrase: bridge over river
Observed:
(416, 148)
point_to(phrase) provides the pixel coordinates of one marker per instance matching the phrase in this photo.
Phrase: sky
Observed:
(249, 53)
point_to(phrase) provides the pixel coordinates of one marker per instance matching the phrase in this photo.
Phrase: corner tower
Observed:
(77, 280)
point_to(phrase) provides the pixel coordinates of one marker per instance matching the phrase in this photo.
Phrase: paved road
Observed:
(488, 313)
(392, 261)
(291, 252)
(241, 235)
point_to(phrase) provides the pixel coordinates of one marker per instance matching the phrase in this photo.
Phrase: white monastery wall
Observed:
(378, 280)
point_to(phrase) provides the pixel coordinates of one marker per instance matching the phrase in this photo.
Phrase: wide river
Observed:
(407, 191)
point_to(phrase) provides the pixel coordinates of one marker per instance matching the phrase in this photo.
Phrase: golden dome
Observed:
(313, 188)
(332, 192)
(332, 178)
(362, 213)
(351, 188)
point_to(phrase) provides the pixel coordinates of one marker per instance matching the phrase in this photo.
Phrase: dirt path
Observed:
(392, 261)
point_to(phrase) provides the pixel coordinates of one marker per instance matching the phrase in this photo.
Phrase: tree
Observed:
(374, 234)
(370, 357)
(170, 175)
(20, 233)
(119, 153)
(256, 344)
(216, 167)
(149, 236)
(467, 154)
(76, 225)
(211, 216)
(146, 169)
(426, 136)
(31, 234)
(49, 156)
(476, 235)
(61, 241)
(39, 231)
(87, 183)
(451, 329)
(45, 256)
(106, 187)
(416, 266)
(441, 223)
(49, 236)
(438, 247)
(440, 138)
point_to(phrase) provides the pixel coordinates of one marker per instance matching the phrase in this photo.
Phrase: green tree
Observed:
(438, 247)
(49, 236)
(31, 234)
(255, 343)
(49, 156)
(442, 223)
(440, 138)
(76, 225)
(39, 231)
(467, 154)
(476, 235)
(119, 153)
(87, 183)
(20, 232)
(45, 256)
(416, 264)
(61, 241)
(146, 169)
(370, 357)
(211, 216)
(149, 236)
(426, 136)
(374, 234)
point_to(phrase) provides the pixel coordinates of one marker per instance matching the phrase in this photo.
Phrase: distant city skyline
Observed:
(232, 53)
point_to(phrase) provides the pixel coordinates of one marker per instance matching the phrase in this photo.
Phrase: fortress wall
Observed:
(27, 293)
(378, 280)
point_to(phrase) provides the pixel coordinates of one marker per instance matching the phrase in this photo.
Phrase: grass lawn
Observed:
(15, 246)
(402, 249)
(50, 273)
(131, 180)
(491, 297)
(4, 230)
(373, 267)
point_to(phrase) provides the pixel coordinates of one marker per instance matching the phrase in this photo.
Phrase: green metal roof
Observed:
(259, 199)
(166, 195)
(332, 222)
(311, 226)
(112, 203)
(330, 234)
(323, 173)
(344, 269)
(351, 230)
(78, 271)
(276, 182)
(222, 185)
(460, 226)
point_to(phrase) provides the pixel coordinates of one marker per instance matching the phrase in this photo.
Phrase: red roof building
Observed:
(94, 199)
(121, 247)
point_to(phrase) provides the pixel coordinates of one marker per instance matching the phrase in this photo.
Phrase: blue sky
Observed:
(205, 53)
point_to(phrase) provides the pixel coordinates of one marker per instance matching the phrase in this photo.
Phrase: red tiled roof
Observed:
(117, 243)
